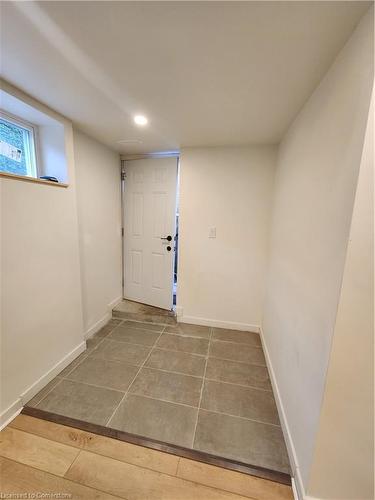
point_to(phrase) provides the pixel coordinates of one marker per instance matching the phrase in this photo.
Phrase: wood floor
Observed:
(37, 456)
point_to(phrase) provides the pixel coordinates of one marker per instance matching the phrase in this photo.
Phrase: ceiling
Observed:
(204, 73)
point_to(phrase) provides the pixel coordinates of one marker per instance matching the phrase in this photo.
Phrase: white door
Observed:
(149, 218)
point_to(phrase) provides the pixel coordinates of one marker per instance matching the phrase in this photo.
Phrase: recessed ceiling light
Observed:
(129, 141)
(140, 120)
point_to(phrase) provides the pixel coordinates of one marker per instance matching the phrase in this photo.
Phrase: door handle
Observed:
(168, 238)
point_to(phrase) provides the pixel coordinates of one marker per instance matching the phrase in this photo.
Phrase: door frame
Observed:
(123, 159)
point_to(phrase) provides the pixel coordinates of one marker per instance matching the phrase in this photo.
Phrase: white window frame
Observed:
(30, 141)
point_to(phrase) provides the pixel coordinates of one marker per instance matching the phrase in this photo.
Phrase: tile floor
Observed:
(194, 386)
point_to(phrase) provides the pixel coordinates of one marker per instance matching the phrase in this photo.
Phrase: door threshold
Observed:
(135, 311)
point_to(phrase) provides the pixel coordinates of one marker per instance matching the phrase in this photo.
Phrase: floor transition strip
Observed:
(199, 456)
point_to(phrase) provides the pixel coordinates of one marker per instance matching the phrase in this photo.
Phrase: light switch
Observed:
(212, 232)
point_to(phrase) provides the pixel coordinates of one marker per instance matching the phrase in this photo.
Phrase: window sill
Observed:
(32, 179)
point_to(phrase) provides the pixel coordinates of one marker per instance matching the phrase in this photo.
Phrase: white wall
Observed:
(343, 465)
(221, 281)
(99, 217)
(60, 262)
(316, 179)
(41, 320)
(51, 148)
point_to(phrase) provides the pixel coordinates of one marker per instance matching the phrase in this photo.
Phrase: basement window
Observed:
(17, 146)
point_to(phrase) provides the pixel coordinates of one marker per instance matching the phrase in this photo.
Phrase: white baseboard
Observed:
(297, 483)
(10, 413)
(179, 312)
(103, 320)
(98, 325)
(55, 370)
(14, 409)
(216, 323)
(114, 303)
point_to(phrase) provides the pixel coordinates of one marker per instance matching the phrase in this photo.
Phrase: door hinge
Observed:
(122, 232)
(123, 175)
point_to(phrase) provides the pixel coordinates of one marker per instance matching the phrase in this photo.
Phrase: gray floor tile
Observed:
(184, 344)
(133, 335)
(238, 373)
(190, 330)
(155, 419)
(93, 342)
(237, 352)
(107, 373)
(106, 329)
(240, 401)
(81, 401)
(144, 326)
(41, 394)
(171, 387)
(121, 351)
(244, 440)
(73, 364)
(181, 362)
(236, 336)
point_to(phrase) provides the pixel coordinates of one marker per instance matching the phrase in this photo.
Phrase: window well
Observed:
(17, 147)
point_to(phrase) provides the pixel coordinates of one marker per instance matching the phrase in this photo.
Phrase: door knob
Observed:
(168, 238)
(169, 248)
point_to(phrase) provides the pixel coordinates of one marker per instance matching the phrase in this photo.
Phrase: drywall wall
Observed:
(221, 280)
(316, 179)
(343, 465)
(41, 320)
(99, 220)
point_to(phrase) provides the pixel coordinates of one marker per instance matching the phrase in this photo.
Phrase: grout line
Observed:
(186, 336)
(155, 346)
(236, 361)
(204, 409)
(132, 382)
(163, 400)
(172, 371)
(241, 417)
(150, 346)
(181, 352)
(144, 330)
(67, 377)
(168, 401)
(138, 322)
(143, 320)
(95, 385)
(237, 343)
(202, 387)
(239, 385)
